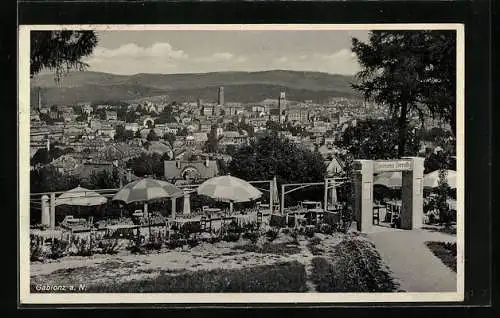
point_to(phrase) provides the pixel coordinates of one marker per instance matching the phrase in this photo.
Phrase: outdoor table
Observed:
(213, 210)
(183, 221)
(316, 210)
(121, 226)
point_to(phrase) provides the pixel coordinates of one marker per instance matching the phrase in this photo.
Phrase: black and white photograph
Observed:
(241, 163)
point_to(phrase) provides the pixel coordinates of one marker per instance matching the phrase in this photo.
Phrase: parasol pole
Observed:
(230, 207)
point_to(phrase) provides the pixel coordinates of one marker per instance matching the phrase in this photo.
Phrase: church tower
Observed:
(282, 106)
(220, 100)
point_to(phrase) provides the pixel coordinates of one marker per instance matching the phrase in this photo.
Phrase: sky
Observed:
(195, 51)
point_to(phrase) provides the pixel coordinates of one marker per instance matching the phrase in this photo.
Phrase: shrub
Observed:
(309, 231)
(234, 227)
(301, 230)
(253, 236)
(285, 231)
(231, 237)
(123, 233)
(214, 239)
(272, 234)
(176, 240)
(36, 248)
(193, 241)
(109, 246)
(250, 227)
(58, 249)
(277, 220)
(155, 241)
(84, 247)
(137, 246)
(326, 229)
(357, 268)
(295, 236)
(190, 227)
(315, 240)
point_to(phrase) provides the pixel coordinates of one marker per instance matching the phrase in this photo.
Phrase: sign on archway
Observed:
(412, 169)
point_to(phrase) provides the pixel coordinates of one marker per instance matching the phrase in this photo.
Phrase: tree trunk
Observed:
(403, 129)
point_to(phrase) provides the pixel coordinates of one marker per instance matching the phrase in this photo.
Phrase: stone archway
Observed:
(148, 120)
(190, 173)
(412, 169)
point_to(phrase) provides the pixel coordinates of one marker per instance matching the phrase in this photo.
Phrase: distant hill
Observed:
(238, 86)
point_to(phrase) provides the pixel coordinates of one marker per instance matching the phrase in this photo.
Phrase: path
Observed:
(307, 261)
(412, 263)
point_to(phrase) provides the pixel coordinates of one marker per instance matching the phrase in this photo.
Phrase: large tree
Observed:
(103, 180)
(48, 179)
(147, 164)
(272, 155)
(412, 72)
(122, 134)
(378, 139)
(60, 51)
(212, 143)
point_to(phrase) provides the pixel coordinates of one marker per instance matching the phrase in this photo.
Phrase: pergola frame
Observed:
(329, 183)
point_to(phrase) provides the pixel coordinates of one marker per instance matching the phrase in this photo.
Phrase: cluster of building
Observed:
(88, 136)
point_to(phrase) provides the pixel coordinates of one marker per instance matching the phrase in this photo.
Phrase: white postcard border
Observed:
(25, 297)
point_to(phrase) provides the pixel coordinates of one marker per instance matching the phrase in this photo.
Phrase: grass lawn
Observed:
(354, 267)
(442, 229)
(280, 277)
(446, 252)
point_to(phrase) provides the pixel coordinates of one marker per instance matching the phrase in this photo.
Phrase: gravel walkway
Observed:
(413, 265)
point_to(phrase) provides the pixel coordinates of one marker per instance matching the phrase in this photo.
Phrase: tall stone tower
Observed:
(282, 106)
(220, 99)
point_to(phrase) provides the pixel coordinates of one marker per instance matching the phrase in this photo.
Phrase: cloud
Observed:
(132, 50)
(161, 57)
(131, 58)
(216, 57)
(342, 55)
(282, 60)
(241, 59)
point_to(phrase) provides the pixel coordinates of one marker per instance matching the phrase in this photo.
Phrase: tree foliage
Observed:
(273, 126)
(377, 139)
(121, 134)
(272, 155)
(152, 136)
(410, 72)
(48, 179)
(182, 132)
(212, 143)
(60, 51)
(170, 138)
(167, 115)
(103, 180)
(147, 164)
(242, 125)
(42, 156)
